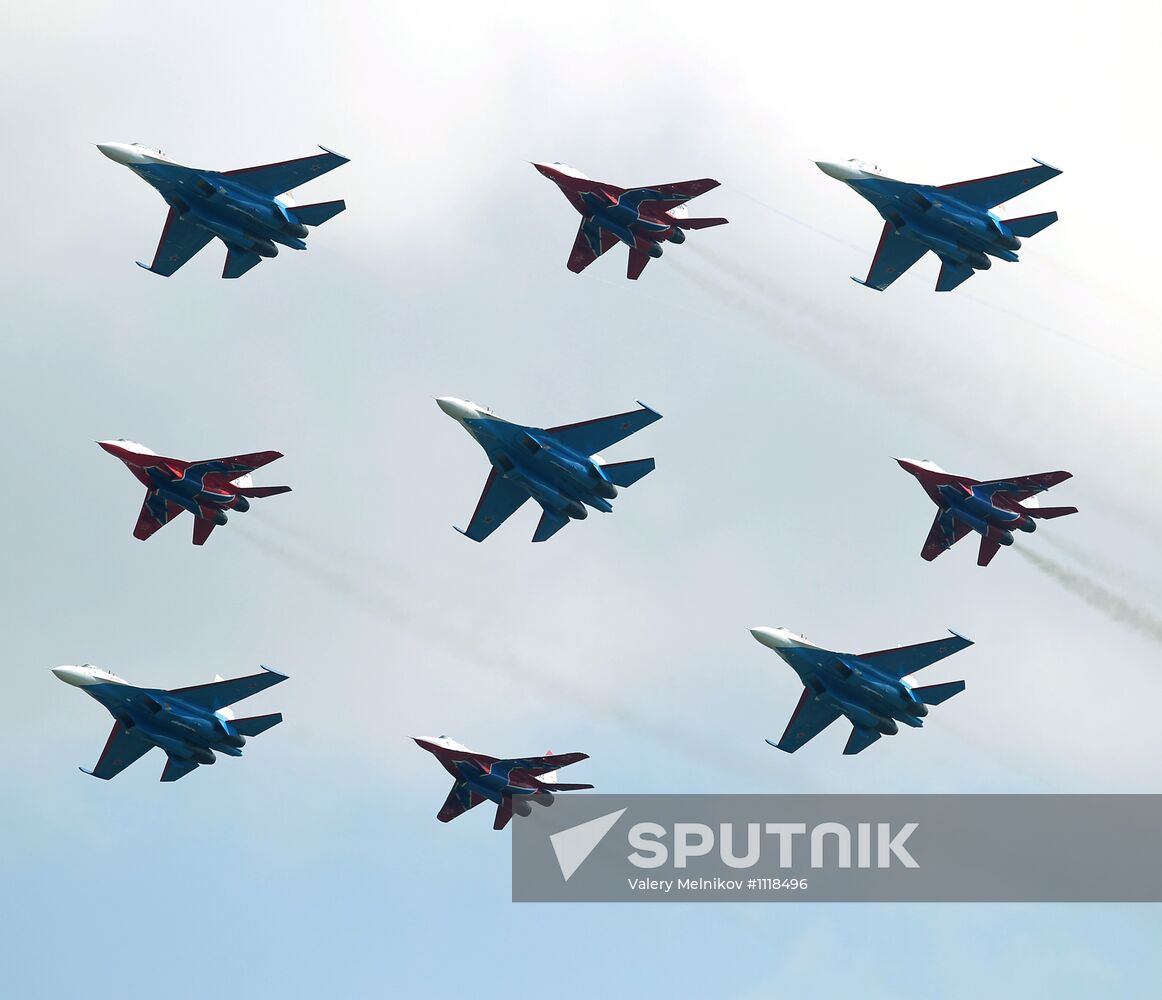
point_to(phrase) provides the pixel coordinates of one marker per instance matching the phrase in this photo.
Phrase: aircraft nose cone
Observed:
(116, 151)
(457, 409)
(839, 171)
(70, 675)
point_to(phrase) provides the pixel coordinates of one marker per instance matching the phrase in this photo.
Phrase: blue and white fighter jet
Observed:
(952, 220)
(190, 724)
(875, 691)
(558, 467)
(248, 209)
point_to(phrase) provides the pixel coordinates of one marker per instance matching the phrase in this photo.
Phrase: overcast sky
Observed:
(315, 864)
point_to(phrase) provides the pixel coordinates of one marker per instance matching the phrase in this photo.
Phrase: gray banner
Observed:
(839, 848)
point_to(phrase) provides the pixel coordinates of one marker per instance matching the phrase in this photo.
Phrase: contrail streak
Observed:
(1096, 595)
(362, 593)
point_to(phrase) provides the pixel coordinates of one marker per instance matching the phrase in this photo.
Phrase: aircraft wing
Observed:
(460, 799)
(904, 660)
(1022, 487)
(946, 532)
(668, 196)
(155, 514)
(219, 694)
(239, 464)
(894, 255)
(988, 192)
(275, 178)
(539, 765)
(810, 718)
(121, 749)
(591, 436)
(592, 241)
(499, 500)
(179, 242)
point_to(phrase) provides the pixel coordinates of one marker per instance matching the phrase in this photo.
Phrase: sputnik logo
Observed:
(574, 845)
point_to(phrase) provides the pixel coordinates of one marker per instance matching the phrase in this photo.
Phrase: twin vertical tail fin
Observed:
(316, 215)
(937, 694)
(1030, 225)
(257, 724)
(627, 473)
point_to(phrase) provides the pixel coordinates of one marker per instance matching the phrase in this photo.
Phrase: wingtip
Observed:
(646, 406)
(146, 267)
(1048, 166)
(325, 149)
(860, 281)
(277, 673)
(776, 746)
(963, 637)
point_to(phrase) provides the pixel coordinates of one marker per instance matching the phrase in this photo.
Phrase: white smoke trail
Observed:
(362, 591)
(1096, 595)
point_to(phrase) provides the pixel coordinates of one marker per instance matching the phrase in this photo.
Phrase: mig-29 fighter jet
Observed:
(873, 690)
(190, 724)
(952, 220)
(206, 489)
(512, 784)
(641, 218)
(993, 508)
(248, 209)
(559, 467)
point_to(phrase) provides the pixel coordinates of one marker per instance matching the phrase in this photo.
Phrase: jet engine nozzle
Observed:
(202, 755)
(677, 236)
(521, 808)
(544, 799)
(1028, 524)
(1005, 538)
(234, 740)
(655, 250)
(888, 727)
(218, 517)
(265, 248)
(242, 504)
(920, 709)
(978, 261)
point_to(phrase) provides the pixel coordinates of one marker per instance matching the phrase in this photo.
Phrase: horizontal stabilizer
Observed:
(316, 215)
(176, 768)
(627, 473)
(937, 694)
(238, 262)
(1030, 225)
(699, 223)
(257, 724)
(549, 525)
(860, 740)
(951, 275)
(1050, 511)
(261, 491)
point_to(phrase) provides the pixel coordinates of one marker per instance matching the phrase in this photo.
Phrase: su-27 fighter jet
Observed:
(559, 467)
(206, 489)
(512, 784)
(190, 724)
(641, 218)
(952, 220)
(993, 509)
(873, 690)
(248, 209)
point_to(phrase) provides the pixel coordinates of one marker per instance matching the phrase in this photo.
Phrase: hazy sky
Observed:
(315, 866)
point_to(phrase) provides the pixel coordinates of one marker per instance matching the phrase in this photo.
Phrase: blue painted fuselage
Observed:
(623, 218)
(871, 698)
(559, 478)
(975, 508)
(955, 229)
(493, 783)
(243, 218)
(189, 491)
(183, 730)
